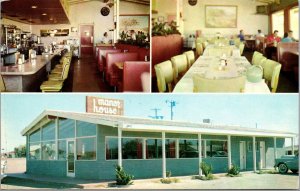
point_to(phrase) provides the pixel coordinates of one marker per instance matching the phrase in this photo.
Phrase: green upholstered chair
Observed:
(237, 42)
(200, 40)
(258, 58)
(227, 85)
(241, 47)
(59, 69)
(165, 76)
(61, 76)
(199, 49)
(204, 44)
(271, 73)
(180, 66)
(51, 86)
(219, 51)
(2, 85)
(190, 57)
(61, 62)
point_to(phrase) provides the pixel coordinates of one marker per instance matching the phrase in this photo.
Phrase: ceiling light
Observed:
(51, 19)
(33, 6)
(44, 14)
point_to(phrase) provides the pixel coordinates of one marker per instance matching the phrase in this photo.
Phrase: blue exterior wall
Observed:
(104, 169)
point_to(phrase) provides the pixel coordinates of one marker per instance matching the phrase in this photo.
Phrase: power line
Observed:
(156, 116)
(171, 104)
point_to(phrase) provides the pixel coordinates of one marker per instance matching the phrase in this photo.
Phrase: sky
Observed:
(273, 112)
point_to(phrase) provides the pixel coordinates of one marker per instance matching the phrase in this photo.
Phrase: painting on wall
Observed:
(221, 16)
(134, 22)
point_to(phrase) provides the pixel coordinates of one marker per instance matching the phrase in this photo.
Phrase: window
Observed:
(153, 148)
(294, 22)
(34, 151)
(66, 128)
(170, 148)
(62, 150)
(48, 150)
(85, 129)
(48, 131)
(86, 149)
(132, 148)
(249, 146)
(278, 22)
(189, 148)
(35, 136)
(111, 148)
(216, 149)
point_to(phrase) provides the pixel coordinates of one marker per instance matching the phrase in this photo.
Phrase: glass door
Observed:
(71, 158)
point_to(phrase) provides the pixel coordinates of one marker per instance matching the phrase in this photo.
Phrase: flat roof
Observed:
(153, 125)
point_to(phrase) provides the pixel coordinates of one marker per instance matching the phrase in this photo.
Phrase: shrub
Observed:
(234, 170)
(206, 168)
(166, 180)
(168, 174)
(208, 177)
(122, 178)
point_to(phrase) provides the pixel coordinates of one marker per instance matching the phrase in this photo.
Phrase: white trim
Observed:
(163, 144)
(120, 147)
(56, 138)
(177, 148)
(143, 149)
(229, 151)
(199, 154)
(275, 146)
(293, 145)
(75, 156)
(254, 153)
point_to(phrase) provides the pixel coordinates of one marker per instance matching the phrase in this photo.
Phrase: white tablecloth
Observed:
(208, 67)
(234, 51)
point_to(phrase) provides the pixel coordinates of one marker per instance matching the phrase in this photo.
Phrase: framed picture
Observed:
(134, 22)
(221, 16)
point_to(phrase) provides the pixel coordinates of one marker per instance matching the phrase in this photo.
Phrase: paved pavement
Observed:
(16, 165)
(248, 180)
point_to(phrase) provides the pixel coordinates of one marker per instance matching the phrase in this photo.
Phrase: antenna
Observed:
(156, 116)
(172, 104)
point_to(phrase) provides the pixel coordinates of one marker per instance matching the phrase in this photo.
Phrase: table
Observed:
(215, 50)
(29, 76)
(207, 66)
(119, 65)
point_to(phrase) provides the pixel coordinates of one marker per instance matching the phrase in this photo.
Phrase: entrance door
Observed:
(262, 152)
(71, 158)
(86, 40)
(242, 155)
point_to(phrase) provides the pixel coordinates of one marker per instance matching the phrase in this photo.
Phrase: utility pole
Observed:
(172, 104)
(156, 116)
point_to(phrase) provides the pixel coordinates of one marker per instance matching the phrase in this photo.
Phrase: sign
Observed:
(104, 106)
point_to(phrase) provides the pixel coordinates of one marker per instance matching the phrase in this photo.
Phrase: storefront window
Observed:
(216, 149)
(153, 148)
(294, 22)
(48, 131)
(86, 149)
(132, 148)
(85, 129)
(66, 128)
(62, 150)
(48, 150)
(170, 148)
(35, 151)
(188, 148)
(111, 148)
(278, 22)
(35, 136)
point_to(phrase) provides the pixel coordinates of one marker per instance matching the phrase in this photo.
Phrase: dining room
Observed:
(75, 46)
(245, 46)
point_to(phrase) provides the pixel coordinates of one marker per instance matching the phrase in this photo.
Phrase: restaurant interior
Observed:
(75, 46)
(243, 46)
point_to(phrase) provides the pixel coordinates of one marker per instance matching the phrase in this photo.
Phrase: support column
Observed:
(119, 146)
(163, 144)
(275, 153)
(56, 138)
(293, 147)
(254, 154)
(199, 153)
(229, 150)
(144, 148)
(177, 149)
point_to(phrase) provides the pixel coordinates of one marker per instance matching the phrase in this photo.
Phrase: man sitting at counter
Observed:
(105, 39)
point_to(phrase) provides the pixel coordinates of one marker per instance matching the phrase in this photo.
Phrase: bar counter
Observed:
(29, 76)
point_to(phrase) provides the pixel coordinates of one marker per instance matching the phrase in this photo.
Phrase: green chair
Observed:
(190, 57)
(60, 76)
(237, 42)
(165, 76)
(58, 69)
(2, 85)
(271, 73)
(51, 86)
(180, 66)
(241, 47)
(199, 49)
(258, 58)
(227, 85)
(204, 44)
(219, 51)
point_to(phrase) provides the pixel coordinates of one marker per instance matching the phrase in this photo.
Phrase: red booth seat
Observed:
(288, 55)
(142, 52)
(132, 72)
(111, 58)
(102, 53)
(105, 46)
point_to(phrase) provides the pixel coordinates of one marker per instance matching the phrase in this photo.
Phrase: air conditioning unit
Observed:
(262, 9)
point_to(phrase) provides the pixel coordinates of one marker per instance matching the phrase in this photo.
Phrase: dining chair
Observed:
(2, 85)
(241, 47)
(204, 45)
(199, 49)
(165, 77)
(190, 57)
(271, 73)
(258, 58)
(227, 85)
(219, 51)
(17, 56)
(180, 66)
(237, 42)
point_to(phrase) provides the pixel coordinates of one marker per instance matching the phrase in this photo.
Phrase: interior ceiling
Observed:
(142, 2)
(269, 1)
(22, 11)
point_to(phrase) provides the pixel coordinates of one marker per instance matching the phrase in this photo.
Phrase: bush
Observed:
(234, 170)
(122, 178)
(169, 180)
(208, 177)
(168, 174)
(206, 168)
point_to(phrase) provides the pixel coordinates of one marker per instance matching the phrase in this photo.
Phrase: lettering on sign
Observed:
(104, 106)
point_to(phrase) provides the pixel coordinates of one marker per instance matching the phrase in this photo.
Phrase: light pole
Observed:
(172, 104)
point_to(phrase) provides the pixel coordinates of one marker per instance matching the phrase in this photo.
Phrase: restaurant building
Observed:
(88, 146)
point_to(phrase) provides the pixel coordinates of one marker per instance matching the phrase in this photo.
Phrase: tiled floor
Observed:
(85, 77)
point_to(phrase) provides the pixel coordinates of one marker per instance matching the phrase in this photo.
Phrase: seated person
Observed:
(105, 39)
(286, 38)
(241, 36)
(272, 41)
(260, 34)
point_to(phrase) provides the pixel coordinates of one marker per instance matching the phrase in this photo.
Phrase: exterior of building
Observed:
(88, 146)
